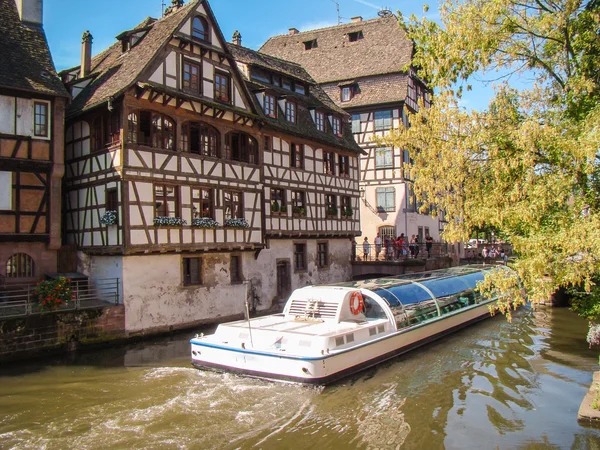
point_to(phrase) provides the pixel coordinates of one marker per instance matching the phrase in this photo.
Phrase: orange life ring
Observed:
(357, 304)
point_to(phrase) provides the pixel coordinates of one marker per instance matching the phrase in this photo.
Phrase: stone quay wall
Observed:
(59, 332)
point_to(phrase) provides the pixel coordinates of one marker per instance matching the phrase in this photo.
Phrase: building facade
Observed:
(32, 108)
(197, 179)
(362, 66)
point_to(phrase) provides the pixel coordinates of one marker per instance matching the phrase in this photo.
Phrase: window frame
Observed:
(298, 201)
(45, 124)
(209, 139)
(331, 205)
(111, 199)
(134, 136)
(6, 187)
(199, 210)
(320, 121)
(186, 268)
(329, 163)
(270, 105)
(381, 123)
(235, 260)
(246, 150)
(233, 204)
(279, 195)
(346, 93)
(356, 124)
(197, 89)
(166, 198)
(343, 165)
(24, 264)
(300, 254)
(218, 87)
(296, 155)
(385, 192)
(205, 32)
(336, 125)
(389, 155)
(290, 111)
(322, 254)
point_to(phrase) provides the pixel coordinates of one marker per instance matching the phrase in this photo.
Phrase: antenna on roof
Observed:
(163, 8)
(337, 7)
(385, 12)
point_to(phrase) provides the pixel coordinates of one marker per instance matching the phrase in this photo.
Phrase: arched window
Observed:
(20, 265)
(152, 129)
(201, 139)
(200, 29)
(241, 147)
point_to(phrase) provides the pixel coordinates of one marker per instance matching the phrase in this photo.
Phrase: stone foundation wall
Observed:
(59, 332)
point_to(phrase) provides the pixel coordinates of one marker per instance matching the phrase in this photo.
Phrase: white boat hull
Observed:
(323, 369)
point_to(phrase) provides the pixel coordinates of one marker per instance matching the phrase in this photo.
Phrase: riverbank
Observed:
(589, 412)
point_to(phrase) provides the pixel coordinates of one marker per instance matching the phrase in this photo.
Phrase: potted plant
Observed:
(236, 223)
(298, 211)
(347, 212)
(205, 222)
(53, 294)
(275, 206)
(109, 218)
(169, 221)
(332, 211)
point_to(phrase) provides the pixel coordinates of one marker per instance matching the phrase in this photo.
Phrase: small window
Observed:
(344, 165)
(191, 77)
(355, 123)
(166, 201)
(322, 254)
(287, 84)
(296, 156)
(202, 203)
(41, 119)
(383, 120)
(386, 199)
(267, 143)
(300, 256)
(309, 45)
(222, 87)
(339, 341)
(329, 163)
(384, 158)
(346, 207)
(298, 203)
(241, 147)
(260, 75)
(372, 331)
(200, 29)
(290, 111)
(112, 199)
(20, 265)
(336, 125)
(236, 269)
(331, 205)
(300, 88)
(355, 36)
(6, 191)
(349, 338)
(192, 271)
(320, 121)
(278, 201)
(346, 94)
(269, 106)
(233, 207)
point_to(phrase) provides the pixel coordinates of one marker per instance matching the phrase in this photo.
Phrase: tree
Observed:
(528, 166)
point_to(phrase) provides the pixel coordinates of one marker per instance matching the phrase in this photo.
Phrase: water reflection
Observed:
(494, 385)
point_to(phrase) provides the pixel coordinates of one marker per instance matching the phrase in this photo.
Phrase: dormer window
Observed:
(308, 45)
(299, 88)
(320, 120)
(336, 125)
(200, 29)
(355, 36)
(290, 111)
(346, 93)
(269, 106)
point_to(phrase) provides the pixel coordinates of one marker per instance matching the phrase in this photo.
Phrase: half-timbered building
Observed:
(32, 105)
(362, 65)
(186, 179)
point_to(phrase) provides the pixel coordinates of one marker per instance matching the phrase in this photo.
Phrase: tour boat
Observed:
(328, 332)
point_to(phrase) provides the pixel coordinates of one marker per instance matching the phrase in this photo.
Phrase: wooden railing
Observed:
(19, 300)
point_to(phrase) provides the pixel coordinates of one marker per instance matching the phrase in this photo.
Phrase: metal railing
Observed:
(391, 253)
(19, 300)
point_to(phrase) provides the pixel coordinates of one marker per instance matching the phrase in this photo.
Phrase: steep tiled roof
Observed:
(114, 71)
(373, 90)
(304, 126)
(383, 49)
(25, 61)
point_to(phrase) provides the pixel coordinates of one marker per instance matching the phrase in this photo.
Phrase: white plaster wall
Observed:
(103, 267)
(7, 113)
(155, 297)
(25, 117)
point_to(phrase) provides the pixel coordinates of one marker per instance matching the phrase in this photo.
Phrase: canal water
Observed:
(493, 385)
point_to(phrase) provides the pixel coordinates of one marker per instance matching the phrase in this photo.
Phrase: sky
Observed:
(257, 20)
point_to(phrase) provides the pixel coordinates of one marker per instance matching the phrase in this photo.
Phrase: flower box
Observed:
(205, 222)
(298, 211)
(109, 218)
(169, 221)
(236, 223)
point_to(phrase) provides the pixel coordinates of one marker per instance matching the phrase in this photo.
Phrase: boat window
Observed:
(349, 338)
(372, 331)
(372, 309)
(380, 328)
(339, 341)
(422, 311)
(408, 293)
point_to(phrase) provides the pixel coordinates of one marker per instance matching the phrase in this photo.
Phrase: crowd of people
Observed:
(395, 248)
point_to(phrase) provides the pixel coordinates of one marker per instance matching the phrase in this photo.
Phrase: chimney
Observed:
(293, 31)
(86, 54)
(356, 19)
(236, 38)
(30, 11)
